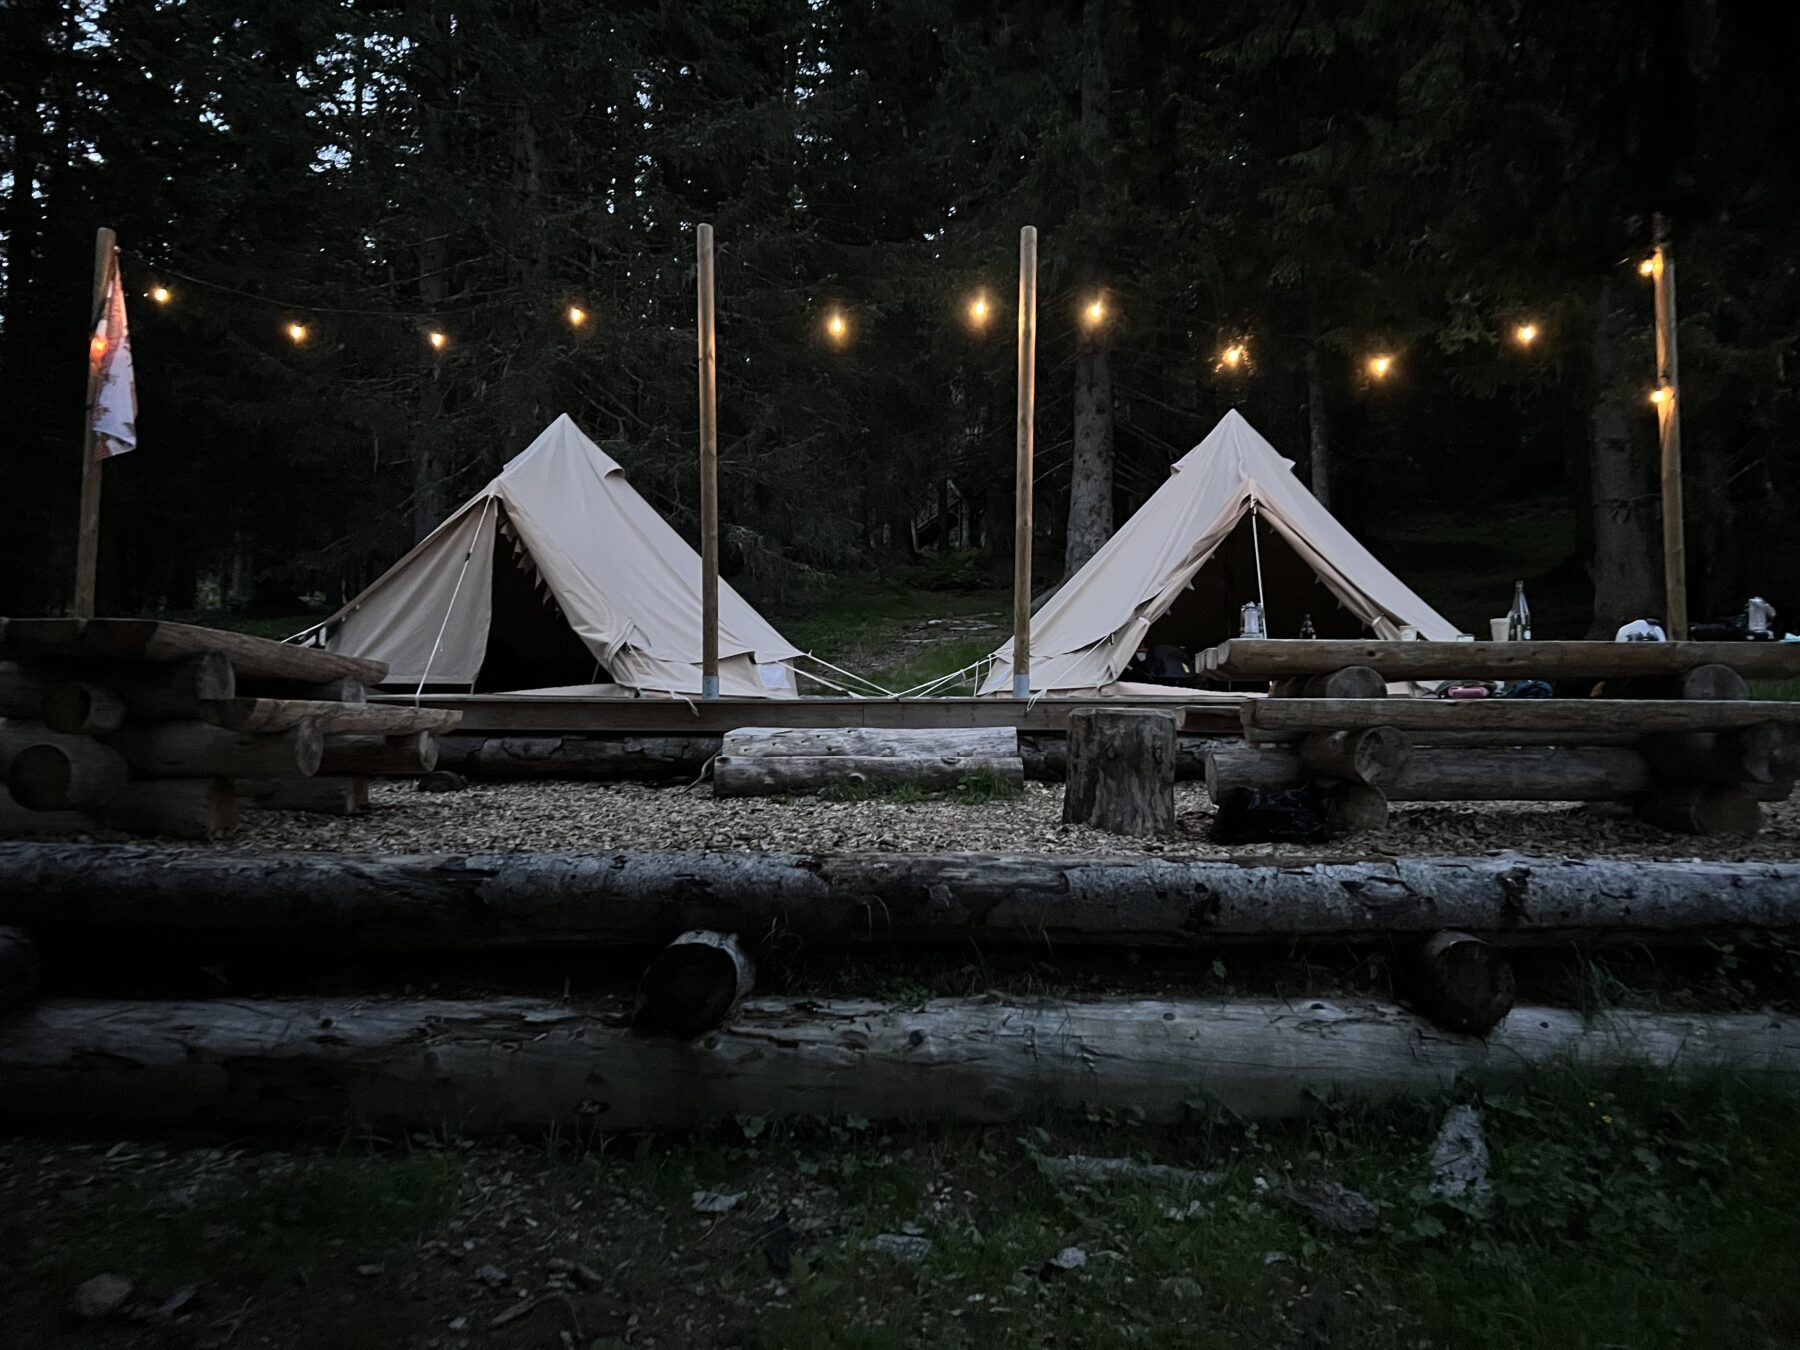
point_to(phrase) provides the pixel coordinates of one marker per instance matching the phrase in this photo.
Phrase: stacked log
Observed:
(771, 761)
(167, 729)
(1683, 745)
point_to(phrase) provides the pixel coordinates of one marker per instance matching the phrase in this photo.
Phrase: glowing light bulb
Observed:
(97, 348)
(978, 310)
(1379, 366)
(577, 316)
(836, 327)
(1525, 334)
(1233, 356)
(160, 294)
(1096, 311)
(1647, 267)
(296, 332)
(436, 339)
(1660, 395)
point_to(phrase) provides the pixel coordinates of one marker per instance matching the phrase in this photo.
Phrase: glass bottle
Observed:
(1518, 618)
(1307, 631)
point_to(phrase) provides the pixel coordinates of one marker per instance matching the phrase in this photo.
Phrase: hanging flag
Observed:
(114, 409)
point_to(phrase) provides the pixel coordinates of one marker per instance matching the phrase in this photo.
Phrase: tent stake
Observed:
(1022, 503)
(709, 471)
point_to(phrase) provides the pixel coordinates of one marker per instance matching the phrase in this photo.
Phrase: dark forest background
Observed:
(1318, 179)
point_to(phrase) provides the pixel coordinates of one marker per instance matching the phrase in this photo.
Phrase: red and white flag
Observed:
(114, 410)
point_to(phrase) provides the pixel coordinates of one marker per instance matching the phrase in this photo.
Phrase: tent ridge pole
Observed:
(709, 468)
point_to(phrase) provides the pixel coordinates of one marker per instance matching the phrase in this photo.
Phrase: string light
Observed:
(1379, 366)
(296, 333)
(1647, 268)
(1525, 334)
(1660, 394)
(836, 327)
(1095, 313)
(1233, 356)
(577, 316)
(437, 339)
(97, 348)
(160, 294)
(978, 310)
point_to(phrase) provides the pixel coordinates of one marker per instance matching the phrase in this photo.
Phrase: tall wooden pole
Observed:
(1668, 426)
(1027, 418)
(87, 543)
(709, 471)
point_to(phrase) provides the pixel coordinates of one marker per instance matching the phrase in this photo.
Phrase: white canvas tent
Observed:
(557, 570)
(1146, 574)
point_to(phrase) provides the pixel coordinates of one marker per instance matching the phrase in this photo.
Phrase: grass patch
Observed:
(1786, 690)
(978, 786)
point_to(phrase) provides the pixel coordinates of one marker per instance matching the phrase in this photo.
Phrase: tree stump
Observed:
(1121, 771)
(1463, 983)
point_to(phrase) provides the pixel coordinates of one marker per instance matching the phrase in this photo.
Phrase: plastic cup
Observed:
(1499, 627)
(1409, 632)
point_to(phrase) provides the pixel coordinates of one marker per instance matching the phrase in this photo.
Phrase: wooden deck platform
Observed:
(515, 714)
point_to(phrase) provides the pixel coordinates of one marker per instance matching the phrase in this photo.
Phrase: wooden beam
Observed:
(1280, 658)
(519, 1064)
(372, 719)
(156, 640)
(1291, 718)
(511, 715)
(87, 540)
(709, 467)
(305, 899)
(358, 756)
(1025, 424)
(1668, 432)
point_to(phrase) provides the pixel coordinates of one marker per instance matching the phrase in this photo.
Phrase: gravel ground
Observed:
(594, 816)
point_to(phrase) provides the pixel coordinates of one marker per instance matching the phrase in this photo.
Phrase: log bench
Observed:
(1699, 757)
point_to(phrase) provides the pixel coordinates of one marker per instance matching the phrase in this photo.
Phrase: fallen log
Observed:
(1462, 983)
(49, 771)
(200, 750)
(304, 899)
(324, 796)
(873, 742)
(693, 984)
(1349, 682)
(778, 775)
(1121, 771)
(374, 756)
(1529, 773)
(635, 759)
(1375, 755)
(181, 808)
(514, 1064)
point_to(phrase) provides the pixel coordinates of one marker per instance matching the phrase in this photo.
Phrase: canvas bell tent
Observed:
(557, 573)
(1178, 571)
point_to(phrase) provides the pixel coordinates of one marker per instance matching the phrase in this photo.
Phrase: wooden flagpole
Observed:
(87, 545)
(1668, 426)
(1027, 417)
(709, 470)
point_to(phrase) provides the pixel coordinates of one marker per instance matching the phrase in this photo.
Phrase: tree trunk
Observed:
(1627, 564)
(1318, 431)
(1121, 771)
(1462, 983)
(305, 899)
(429, 35)
(693, 984)
(1090, 521)
(779, 775)
(513, 1064)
